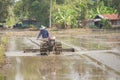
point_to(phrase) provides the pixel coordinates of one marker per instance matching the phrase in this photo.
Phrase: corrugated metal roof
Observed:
(111, 16)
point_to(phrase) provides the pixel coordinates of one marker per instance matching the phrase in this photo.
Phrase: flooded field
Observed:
(73, 66)
(55, 68)
(89, 44)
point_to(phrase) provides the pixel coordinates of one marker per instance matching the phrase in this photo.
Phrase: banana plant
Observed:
(64, 16)
(100, 9)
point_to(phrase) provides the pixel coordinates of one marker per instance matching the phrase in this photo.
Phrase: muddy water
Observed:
(87, 43)
(55, 67)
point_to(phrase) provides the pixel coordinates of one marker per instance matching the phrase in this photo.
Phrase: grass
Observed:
(2, 77)
(2, 58)
(3, 46)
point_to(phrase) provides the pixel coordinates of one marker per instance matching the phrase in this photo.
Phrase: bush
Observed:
(106, 24)
(32, 27)
(93, 27)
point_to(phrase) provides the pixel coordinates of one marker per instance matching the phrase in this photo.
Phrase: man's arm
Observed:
(39, 35)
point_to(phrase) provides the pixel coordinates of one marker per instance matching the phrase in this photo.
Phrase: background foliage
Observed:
(64, 12)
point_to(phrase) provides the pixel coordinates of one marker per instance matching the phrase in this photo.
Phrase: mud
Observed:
(55, 68)
(60, 67)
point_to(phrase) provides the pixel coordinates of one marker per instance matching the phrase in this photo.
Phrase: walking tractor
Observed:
(49, 46)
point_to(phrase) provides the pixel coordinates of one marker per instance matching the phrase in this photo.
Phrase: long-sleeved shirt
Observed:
(44, 33)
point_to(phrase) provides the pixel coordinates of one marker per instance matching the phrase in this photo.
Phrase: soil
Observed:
(73, 66)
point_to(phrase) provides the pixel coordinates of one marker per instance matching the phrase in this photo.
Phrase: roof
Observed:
(110, 16)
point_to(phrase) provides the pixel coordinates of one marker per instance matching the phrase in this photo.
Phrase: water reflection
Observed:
(89, 44)
(18, 76)
(56, 68)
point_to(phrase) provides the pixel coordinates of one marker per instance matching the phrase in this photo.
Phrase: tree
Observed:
(100, 9)
(40, 11)
(4, 5)
(33, 9)
(19, 9)
(60, 1)
(66, 12)
(71, 12)
(64, 16)
(116, 5)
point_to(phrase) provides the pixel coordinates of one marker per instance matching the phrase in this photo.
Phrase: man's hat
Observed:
(42, 27)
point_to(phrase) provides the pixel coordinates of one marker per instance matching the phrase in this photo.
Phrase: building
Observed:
(26, 23)
(113, 18)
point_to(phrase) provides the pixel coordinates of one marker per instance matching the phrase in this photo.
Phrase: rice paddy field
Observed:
(96, 56)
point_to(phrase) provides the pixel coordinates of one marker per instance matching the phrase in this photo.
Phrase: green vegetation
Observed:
(39, 10)
(2, 54)
(65, 13)
(5, 11)
(3, 46)
(107, 24)
(11, 19)
(2, 77)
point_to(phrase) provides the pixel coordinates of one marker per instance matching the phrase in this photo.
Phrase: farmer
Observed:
(43, 33)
